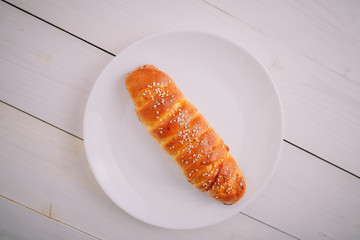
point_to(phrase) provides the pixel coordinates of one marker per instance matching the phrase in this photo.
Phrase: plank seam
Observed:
(257, 29)
(312, 154)
(328, 68)
(229, 14)
(269, 225)
(47, 216)
(59, 28)
(40, 119)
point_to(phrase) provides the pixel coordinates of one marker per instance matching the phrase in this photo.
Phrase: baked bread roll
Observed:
(185, 134)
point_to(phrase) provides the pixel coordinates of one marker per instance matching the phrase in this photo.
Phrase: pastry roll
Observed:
(185, 134)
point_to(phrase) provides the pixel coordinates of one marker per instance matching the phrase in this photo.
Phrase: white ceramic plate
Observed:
(228, 86)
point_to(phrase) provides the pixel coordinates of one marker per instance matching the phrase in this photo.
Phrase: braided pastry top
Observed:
(185, 134)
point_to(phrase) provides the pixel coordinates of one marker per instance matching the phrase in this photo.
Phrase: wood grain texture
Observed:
(19, 222)
(326, 31)
(305, 188)
(46, 170)
(46, 72)
(315, 98)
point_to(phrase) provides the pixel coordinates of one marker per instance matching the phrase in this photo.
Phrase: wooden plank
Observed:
(326, 31)
(46, 72)
(315, 99)
(310, 199)
(45, 169)
(19, 222)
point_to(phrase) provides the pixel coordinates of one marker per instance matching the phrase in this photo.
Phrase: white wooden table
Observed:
(51, 53)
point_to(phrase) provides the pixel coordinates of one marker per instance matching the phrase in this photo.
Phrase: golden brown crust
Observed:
(185, 134)
(230, 186)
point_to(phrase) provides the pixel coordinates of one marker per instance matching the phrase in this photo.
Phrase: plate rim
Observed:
(204, 33)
